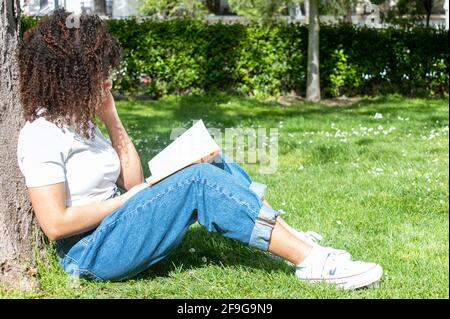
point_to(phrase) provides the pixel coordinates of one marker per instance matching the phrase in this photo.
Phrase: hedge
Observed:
(189, 56)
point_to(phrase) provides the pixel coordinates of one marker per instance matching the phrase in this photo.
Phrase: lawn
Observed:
(370, 176)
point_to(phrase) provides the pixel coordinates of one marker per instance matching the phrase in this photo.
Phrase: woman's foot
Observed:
(321, 265)
(315, 263)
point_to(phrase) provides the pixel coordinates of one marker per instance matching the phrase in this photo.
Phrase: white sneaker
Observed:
(311, 237)
(322, 266)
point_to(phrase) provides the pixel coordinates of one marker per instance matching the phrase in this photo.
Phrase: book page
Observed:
(195, 145)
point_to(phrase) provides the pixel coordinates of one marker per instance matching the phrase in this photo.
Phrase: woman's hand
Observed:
(108, 109)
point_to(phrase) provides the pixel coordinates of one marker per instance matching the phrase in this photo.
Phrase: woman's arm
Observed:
(131, 169)
(58, 221)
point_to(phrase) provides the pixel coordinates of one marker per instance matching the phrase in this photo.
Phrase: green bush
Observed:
(412, 62)
(185, 56)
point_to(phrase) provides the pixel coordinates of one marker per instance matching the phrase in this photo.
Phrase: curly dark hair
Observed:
(63, 65)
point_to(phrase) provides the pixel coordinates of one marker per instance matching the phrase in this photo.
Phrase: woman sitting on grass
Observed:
(73, 174)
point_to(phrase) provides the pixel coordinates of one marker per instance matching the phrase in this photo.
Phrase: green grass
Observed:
(381, 193)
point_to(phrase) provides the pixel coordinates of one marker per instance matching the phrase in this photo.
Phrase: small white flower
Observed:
(380, 127)
(378, 116)
(204, 259)
(192, 250)
(376, 171)
(301, 167)
(338, 222)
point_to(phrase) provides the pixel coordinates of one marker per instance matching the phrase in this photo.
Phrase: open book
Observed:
(195, 145)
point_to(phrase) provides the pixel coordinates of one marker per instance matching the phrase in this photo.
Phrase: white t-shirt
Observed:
(49, 155)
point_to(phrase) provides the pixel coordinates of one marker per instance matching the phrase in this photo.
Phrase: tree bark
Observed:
(313, 79)
(19, 236)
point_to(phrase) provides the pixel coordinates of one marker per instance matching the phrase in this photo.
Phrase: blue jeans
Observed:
(146, 228)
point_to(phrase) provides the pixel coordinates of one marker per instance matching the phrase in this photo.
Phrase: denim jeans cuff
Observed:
(265, 221)
(258, 188)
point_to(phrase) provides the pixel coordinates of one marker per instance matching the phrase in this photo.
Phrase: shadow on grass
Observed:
(212, 249)
(214, 108)
(392, 103)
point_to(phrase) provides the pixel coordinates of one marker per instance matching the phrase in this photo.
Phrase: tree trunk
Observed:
(428, 5)
(100, 7)
(313, 81)
(19, 236)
